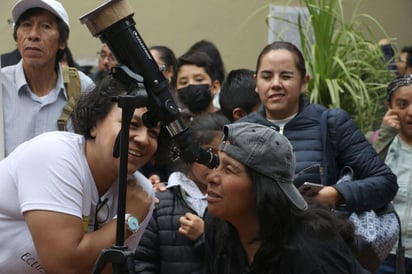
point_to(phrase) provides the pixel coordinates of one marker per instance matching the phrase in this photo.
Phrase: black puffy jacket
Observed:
(162, 248)
(375, 185)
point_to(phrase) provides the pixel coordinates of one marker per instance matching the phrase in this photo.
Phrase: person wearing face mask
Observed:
(196, 82)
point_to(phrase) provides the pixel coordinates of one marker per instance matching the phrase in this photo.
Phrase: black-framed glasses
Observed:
(103, 55)
(101, 214)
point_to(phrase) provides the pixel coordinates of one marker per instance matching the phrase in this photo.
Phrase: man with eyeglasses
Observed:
(106, 61)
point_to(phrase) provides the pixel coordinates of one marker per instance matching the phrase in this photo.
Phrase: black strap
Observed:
(328, 168)
(400, 250)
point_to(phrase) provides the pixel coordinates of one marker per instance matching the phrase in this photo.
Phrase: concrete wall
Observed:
(237, 27)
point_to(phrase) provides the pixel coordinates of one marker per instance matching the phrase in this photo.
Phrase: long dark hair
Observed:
(279, 223)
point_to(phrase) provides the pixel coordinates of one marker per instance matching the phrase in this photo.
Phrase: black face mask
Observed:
(195, 97)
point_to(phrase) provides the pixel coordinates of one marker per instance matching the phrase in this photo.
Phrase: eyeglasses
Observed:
(104, 55)
(102, 213)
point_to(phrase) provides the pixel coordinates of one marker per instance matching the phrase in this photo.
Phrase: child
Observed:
(173, 241)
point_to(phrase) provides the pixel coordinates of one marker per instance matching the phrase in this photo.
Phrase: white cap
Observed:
(53, 6)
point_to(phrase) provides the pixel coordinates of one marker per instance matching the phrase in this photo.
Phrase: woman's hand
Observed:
(329, 196)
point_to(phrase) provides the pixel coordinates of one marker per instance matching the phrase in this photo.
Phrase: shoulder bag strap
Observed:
(328, 162)
(72, 84)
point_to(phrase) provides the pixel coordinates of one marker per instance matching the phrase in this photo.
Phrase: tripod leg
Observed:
(120, 257)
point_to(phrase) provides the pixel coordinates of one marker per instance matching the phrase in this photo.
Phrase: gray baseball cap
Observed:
(267, 151)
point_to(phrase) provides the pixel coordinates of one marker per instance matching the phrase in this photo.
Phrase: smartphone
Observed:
(310, 189)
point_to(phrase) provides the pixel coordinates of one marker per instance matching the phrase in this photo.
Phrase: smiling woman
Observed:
(261, 223)
(72, 181)
(281, 81)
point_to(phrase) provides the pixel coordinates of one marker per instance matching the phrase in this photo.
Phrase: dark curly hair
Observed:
(95, 106)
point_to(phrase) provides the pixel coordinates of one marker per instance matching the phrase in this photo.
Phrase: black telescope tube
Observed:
(130, 50)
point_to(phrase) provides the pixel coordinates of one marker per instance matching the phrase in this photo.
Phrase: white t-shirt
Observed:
(49, 172)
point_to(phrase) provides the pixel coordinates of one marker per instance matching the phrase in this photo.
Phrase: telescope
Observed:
(113, 24)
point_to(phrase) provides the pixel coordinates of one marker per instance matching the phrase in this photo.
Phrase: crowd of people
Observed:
(245, 215)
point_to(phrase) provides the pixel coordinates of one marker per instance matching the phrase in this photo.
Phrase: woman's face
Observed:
(231, 196)
(401, 103)
(279, 84)
(142, 141)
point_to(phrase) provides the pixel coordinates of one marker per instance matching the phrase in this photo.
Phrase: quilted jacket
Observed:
(374, 186)
(162, 248)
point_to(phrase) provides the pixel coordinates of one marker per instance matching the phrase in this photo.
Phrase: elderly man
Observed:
(34, 91)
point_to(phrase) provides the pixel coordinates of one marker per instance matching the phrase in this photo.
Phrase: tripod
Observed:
(113, 23)
(119, 254)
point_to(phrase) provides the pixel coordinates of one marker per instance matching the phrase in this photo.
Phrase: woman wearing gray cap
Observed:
(261, 222)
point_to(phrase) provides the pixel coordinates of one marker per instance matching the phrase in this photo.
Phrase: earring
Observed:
(256, 90)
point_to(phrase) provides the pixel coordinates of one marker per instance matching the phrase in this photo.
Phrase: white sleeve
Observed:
(49, 176)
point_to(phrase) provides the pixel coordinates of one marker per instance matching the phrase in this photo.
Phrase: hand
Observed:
(138, 201)
(391, 119)
(154, 179)
(191, 226)
(157, 185)
(329, 196)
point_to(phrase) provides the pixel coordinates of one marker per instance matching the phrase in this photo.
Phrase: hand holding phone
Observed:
(310, 189)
